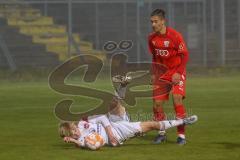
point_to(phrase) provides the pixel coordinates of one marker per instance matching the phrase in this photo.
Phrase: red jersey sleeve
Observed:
(183, 52)
(150, 46)
(150, 49)
(154, 67)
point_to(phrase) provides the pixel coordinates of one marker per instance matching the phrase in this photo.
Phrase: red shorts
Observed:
(176, 89)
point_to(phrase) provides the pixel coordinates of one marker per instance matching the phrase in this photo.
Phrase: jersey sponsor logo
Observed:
(166, 43)
(181, 47)
(181, 83)
(163, 53)
(98, 128)
(86, 125)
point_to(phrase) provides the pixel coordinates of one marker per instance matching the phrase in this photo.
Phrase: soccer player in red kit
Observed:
(168, 48)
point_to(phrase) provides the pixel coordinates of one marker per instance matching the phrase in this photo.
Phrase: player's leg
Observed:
(117, 112)
(178, 96)
(116, 109)
(164, 125)
(158, 111)
(159, 126)
(159, 115)
(128, 130)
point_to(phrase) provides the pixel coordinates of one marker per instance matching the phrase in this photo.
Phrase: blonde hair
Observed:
(65, 129)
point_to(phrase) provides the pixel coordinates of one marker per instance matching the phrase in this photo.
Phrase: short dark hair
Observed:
(158, 12)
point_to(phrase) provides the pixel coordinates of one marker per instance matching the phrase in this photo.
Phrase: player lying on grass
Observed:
(114, 127)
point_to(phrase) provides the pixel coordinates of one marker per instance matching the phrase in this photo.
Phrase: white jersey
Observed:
(86, 128)
(121, 128)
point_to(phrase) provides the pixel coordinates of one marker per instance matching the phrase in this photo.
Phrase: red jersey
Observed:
(170, 50)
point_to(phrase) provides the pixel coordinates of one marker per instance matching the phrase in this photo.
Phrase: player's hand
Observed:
(113, 140)
(67, 139)
(176, 77)
(152, 80)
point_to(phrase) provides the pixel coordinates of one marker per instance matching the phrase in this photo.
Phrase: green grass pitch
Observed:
(28, 127)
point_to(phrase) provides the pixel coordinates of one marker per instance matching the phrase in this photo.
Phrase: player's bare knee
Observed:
(113, 104)
(177, 99)
(121, 109)
(153, 125)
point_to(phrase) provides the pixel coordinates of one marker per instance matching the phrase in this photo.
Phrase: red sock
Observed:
(180, 114)
(159, 114)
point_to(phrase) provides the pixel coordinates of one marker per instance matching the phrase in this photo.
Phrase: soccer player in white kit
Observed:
(115, 126)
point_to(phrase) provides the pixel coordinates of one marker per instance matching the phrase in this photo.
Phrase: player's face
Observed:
(75, 133)
(157, 23)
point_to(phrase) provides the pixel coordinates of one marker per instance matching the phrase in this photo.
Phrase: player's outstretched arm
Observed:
(72, 140)
(107, 126)
(111, 137)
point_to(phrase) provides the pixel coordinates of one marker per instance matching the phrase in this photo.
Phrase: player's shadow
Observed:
(63, 146)
(229, 145)
(66, 146)
(148, 140)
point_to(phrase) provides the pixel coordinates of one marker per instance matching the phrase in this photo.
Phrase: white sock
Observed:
(121, 91)
(161, 132)
(164, 125)
(182, 136)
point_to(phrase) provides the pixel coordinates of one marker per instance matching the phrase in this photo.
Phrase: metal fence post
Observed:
(7, 54)
(169, 9)
(238, 22)
(222, 33)
(96, 26)
(138, 32)
(212, 16)
(149, 12)
(173, 15)
(69, 27)
(205, 40)
(185, 9)
(125, 19)
(45, 8)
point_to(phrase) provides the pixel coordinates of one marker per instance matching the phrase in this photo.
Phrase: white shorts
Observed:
(115, 118)
(124, 130)
(121, 127)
